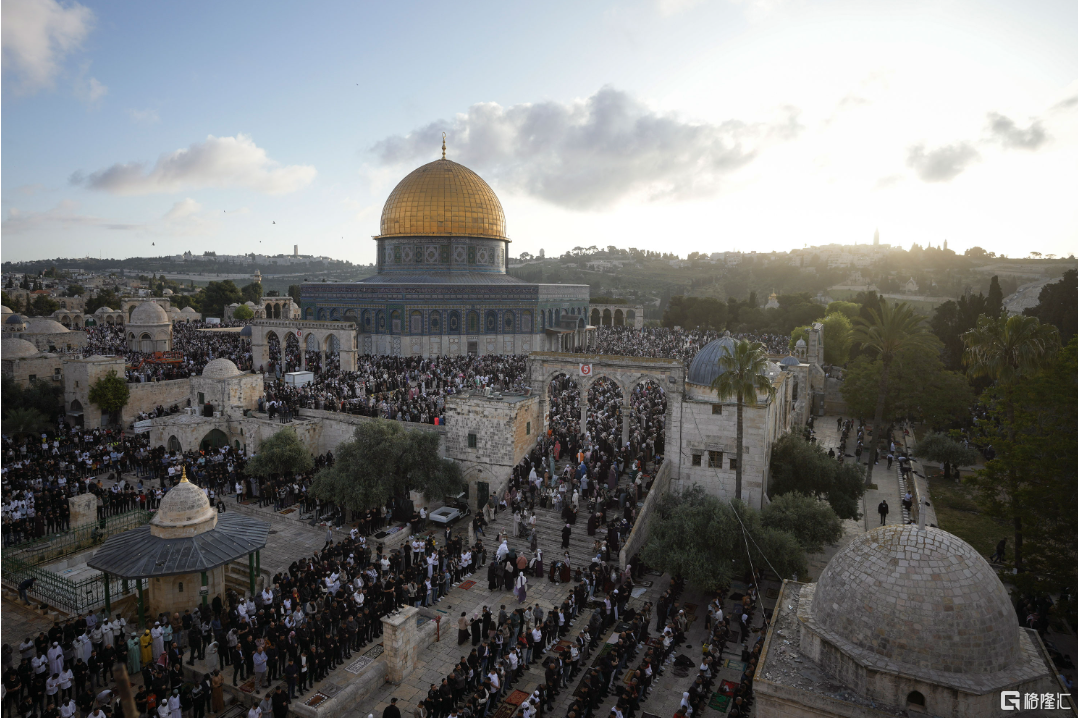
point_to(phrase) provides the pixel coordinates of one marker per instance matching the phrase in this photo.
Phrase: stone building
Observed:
(708, 453)
(223, 385)
(441, 286)
(48, 335)
(149, 328)
(80, 373)
(489, 435)
(268, 308)
(905, 620)
(22, 361)
(70, 318)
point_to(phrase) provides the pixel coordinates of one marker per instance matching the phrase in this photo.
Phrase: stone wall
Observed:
(639, 535)
(241, 391)
(83, 509)
(43, 367)
(149, 395)
(337, 428)
(176, 594)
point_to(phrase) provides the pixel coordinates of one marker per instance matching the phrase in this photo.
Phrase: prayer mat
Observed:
(285, 512)
(638, 592)
(719, 702)
(505, 710)
(734, 637)
(646, 584)
(772, 593)
(315, 700)
(680, 671)
(652, 572)
(727, 688)
(517, 697)
(358, 665)
(648, 715)
(467, 585)
(735, 597)
(562, 646)
(374, 651)
(329, 689)
(248, 686)
(732, 664)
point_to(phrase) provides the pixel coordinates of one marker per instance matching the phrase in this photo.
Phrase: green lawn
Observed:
(957, 512)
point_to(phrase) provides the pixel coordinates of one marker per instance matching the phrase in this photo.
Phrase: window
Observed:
(733, 464)
(33, 378)
(471, 255)
(528, 429)
(472, 441)
(716, 408)
(915, 700)
(696, 459)
(714, 459)
(180, 585)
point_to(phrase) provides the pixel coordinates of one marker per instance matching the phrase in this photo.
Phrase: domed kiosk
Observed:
(442, 285)
(149, 329)
(903, 618)
(185, 547)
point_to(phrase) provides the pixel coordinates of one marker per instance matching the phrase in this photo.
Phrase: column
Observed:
(258, 562)
(624, 421)
(141, 607)
(251, 571)
(583, 412)
(108, 599)
(400, 638)
(302, 356)
(206, 589)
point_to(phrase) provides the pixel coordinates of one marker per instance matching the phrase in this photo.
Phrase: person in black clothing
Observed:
(280, 703)
(883, 511)
(391, 711)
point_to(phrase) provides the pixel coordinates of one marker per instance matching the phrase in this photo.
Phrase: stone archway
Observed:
(214, 439)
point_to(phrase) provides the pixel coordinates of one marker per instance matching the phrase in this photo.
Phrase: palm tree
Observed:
(22, 420)
(744, 376)
(1007, 349)
(895, 328)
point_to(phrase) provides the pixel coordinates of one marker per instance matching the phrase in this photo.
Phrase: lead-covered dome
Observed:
(705, 365)
(220, 369)
(443, 198)
(918, 597)
(184, 511)
(148, 313)
(41, 325)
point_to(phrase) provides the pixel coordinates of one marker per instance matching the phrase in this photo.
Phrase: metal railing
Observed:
(80, 538)
(60, 592)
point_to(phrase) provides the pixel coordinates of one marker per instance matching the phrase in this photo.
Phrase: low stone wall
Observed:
(639, 535)
(149, 395)
(338, 427)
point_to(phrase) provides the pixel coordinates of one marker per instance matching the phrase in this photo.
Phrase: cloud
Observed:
(941, 164)
(65, 214)
(1066, 104)
(36, 36)
(1007, 133)
(143, 117)
(221, 162)
(595, 152)
(182, 209)
(90, 91)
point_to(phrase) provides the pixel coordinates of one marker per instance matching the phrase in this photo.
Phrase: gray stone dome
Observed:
(103, 310)
(149, 313)
(5, 309)
(184, 511)
(188, 310)
(17, 349)
(15, 319)
(220, 369)
(789, 361)
(918, 597)
(705, 365)
(41, 325)
(800, 343)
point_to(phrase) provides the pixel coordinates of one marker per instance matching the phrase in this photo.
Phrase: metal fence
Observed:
(63, 593)
(80, 538)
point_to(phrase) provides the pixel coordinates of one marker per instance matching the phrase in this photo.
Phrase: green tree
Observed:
(44, 305)
(283, 454)
(384, 460)
(803, 468)
(243, 313)
(1058, 305)
(24, 421)
(104, 298)
(994, 303)
(110, 393)
(217, 295)
(919, 388)
(1008, 349)
(694, 313)
(941, 448)
(710, 542)
(252, 292)
(75, 290)
(294, 292)
(837, 330)
(8, 302)
(743, 377)
(849, 309)
(951, 320)
(812, 522)
(886, 333)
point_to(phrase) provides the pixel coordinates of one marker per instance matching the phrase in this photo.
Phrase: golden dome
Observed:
(443, 198)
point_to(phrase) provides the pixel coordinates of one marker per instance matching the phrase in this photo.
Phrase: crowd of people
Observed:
(193, 349)
(673, 343)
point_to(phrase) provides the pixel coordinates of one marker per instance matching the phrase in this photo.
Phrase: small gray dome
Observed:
(705, 365)
(220, 369)
(790, 361)
(15, 319)
(246, 331)
(41, 325)
(800, 343)
(17, 349)
(148, 313)
(5, 309)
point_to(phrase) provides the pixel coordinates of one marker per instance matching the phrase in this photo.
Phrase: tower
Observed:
(876, 238)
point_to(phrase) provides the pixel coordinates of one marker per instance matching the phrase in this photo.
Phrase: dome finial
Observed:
(443, 145)
(183, 474)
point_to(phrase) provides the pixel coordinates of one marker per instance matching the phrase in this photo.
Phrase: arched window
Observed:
(507, 322)
(916, 701)
(395, 321)
(415, 322)
(146, 343)
(381, 321)
(310, 313)
(435, 322)
(473, 322)
(454, 322)
(334, 314)
(366, 320)
(526, 322)
(491, 323)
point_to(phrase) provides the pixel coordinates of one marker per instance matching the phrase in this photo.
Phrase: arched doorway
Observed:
(563, 396)
(291, 353)
(215, 439)
(608, 319)
(605, 400)
(595, 317)
(647, 420)
(619, 318)
(174, 445)
(273, 349)
(630, 317)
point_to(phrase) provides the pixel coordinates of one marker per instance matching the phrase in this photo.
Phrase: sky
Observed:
(145, 129)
